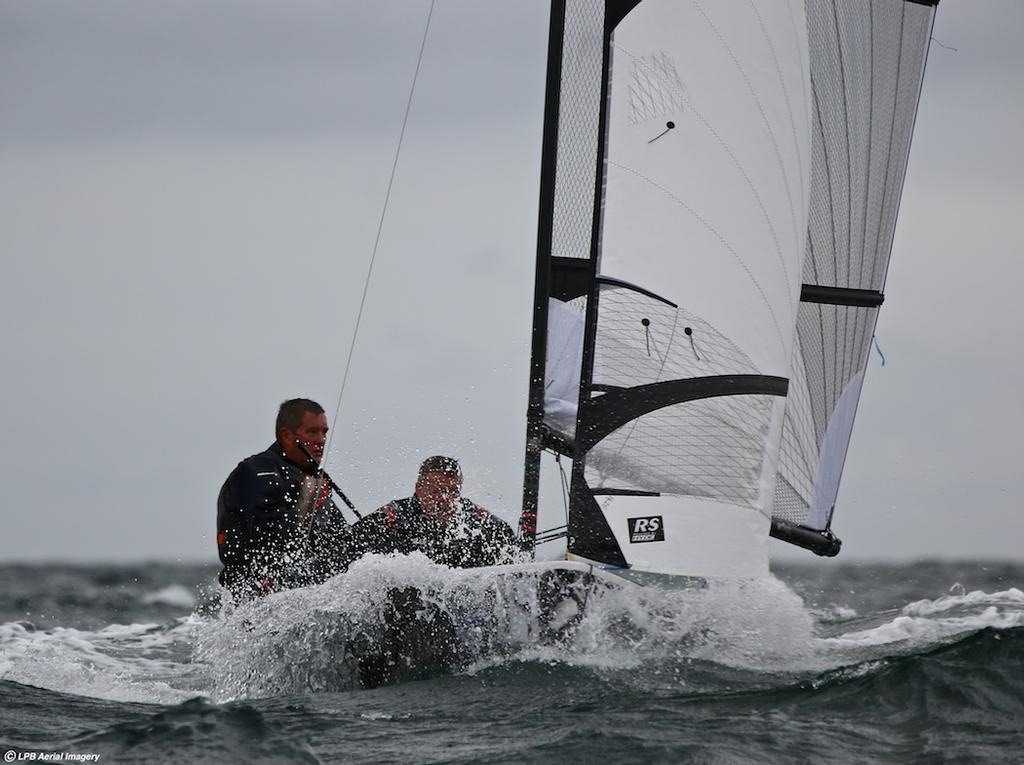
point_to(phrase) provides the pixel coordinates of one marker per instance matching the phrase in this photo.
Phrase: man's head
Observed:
(439, 486)
(301, 421)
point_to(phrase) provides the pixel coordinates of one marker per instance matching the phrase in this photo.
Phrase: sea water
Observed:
(827, 661)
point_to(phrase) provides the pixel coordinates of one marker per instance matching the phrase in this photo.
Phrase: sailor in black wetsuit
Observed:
(277, 525)
(437, 521)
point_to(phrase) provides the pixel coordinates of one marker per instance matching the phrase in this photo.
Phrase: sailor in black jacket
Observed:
(277, 525)
(437, 521)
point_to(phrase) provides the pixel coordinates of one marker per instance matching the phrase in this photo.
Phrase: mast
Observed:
(571, 172)
(588, 532)
(542, 280)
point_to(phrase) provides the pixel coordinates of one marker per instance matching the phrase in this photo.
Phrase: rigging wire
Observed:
(559, 532)
(380, 226)
(565, 486)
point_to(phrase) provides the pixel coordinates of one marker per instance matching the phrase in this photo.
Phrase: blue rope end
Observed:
(877, 348)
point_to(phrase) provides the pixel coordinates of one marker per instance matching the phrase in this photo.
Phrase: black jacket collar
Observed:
(278, 451)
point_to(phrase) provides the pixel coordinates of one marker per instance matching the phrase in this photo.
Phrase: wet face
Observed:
(311, 433)
(438, 494)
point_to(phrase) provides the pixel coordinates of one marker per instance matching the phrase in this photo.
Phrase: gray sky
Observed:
(189, 194)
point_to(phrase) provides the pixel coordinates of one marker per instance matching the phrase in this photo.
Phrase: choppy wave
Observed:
(145, 663)
(198, 731)
(741, 671)
(175, 595)
(1012, 598)
(93, 596)
(756, 633)
(926, 623)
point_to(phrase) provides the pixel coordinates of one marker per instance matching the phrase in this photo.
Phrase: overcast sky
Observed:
(189, 194)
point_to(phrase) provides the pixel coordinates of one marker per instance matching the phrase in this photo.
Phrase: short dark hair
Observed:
(289, 416)
(438, 464)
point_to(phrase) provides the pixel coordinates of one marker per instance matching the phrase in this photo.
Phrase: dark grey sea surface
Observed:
(828, 662)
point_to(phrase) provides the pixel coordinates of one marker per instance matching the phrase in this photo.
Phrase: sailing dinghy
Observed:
(719, 189)
(720, 182)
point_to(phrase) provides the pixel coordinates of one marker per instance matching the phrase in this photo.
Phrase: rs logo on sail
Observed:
(649, 529)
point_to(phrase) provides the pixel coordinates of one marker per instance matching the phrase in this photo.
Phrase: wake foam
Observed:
(387, 616)
(327, 637)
